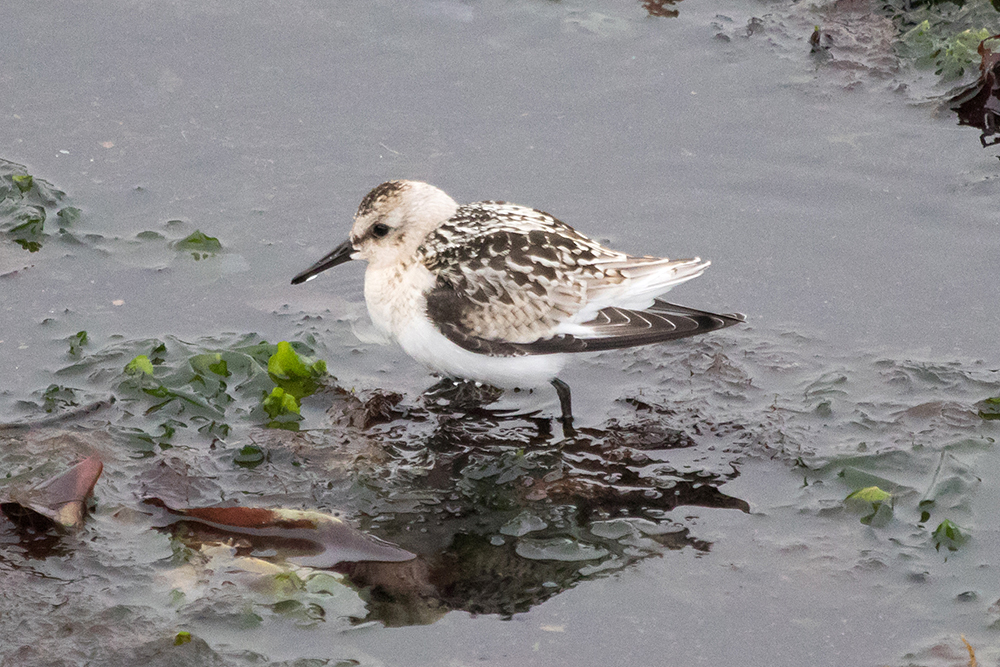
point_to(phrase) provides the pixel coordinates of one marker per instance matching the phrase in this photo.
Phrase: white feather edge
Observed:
(637, 293)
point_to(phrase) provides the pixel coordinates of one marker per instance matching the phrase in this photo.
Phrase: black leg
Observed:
(565, 402)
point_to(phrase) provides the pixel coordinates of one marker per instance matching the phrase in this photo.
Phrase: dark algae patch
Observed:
(978, 105)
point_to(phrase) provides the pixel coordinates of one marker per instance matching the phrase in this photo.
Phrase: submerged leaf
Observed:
(199, 244)
(177, 391)
(871, 494)
(935, 46)
(25, 221)
(856, 478)
(24, 202)
(139, 365)
(76, 343)
(250, 456)
(23, 182)
(210, 363)
(158, 354)
(60, 499)
(280, 403)
(881, 516)
(57, 397)
(287, 364)
(949, 535)
(989, 408)
(294, 374)
(307, 538)
(68, 216)
(872, 500)
(30, 246)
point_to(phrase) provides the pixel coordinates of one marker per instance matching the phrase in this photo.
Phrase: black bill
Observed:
(338, 255)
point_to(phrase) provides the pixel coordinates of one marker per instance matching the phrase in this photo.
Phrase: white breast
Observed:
(394, 293)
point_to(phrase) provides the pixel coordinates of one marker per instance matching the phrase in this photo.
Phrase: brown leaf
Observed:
(302, 537)
(60, 499)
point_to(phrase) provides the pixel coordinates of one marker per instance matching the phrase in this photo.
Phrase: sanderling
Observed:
(502, 294)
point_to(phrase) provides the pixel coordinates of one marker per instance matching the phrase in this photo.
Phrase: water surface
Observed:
(697, 518)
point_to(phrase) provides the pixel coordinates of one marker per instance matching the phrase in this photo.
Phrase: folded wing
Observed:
(513, 281)
(613, 328)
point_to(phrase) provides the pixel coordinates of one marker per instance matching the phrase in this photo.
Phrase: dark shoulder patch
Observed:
(379, 194)
(446, 308)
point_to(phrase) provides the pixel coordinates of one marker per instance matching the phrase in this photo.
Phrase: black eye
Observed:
(379, 230)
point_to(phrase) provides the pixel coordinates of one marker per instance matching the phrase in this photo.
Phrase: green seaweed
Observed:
(295, 374)
(57, 397)
(25, 203)
(68, 216)
(874, 502)
(280, 403)
(989, 408)
(170, 392)
(871, 494)
(23, 182)
(139, 365)
(250, 456)
(948, 54)
(949, 535)
(199, 244)
(76, 343)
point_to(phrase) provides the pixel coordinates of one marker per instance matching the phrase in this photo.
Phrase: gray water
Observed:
(847, 214)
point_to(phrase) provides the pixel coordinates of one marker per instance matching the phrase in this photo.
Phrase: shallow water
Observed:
(698, 515)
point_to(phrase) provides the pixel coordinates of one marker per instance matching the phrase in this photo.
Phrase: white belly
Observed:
(426, 344)
(397, 306)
